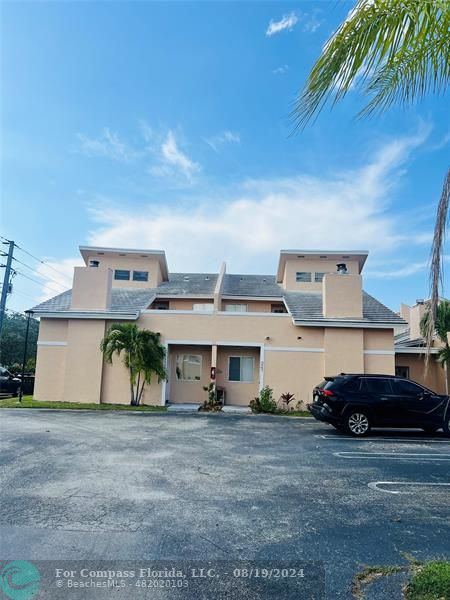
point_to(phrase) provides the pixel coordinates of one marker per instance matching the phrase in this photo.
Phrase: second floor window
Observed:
(121, 275)
(278, 308)
(318, 277)
(236, 307)
(302, 277)
(140, 275)
(207, 307)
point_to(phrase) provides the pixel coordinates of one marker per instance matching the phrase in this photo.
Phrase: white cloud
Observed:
(226, 137)
(107, 145)
(173, 161)
(160, 147)
(286, 22)
(281, 70)
(249, 225)
(404, 271)
(442, 143)
(311, 22)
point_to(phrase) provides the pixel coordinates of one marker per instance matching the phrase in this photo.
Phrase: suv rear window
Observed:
(329, 384)
(340, 383)
(376, 385)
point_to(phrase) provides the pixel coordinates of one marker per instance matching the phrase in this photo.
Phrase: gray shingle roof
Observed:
(251, 285)
(303, 306)
(403, 340)
(185, 284)
(122, 300)
(307, 306)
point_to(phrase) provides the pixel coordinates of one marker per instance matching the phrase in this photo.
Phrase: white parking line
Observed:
(338, 437)
(394, 456)
(374, 486)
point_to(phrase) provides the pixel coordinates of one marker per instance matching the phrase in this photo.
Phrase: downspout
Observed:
(218, 288)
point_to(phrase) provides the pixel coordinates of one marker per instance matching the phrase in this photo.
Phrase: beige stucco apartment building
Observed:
(287, 330)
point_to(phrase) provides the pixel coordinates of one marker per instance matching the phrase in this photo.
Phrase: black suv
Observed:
(355, 403)
(8, 383)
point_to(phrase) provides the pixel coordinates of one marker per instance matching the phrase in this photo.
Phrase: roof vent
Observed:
(207, 278)
(94, 263)
(342, 268)
(264, 280)
(186, 278)
(420, 301)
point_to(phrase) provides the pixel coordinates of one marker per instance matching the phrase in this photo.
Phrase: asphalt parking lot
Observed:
(91, 486)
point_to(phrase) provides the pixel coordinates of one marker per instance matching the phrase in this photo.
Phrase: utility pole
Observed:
(6, 282)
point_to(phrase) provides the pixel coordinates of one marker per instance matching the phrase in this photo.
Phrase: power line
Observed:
(36, 281)
(16, 291)
(45, 277)
(43, 262)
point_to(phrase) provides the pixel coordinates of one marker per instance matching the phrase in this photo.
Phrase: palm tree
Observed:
(395, 51)
(441, 329)
(142, 354)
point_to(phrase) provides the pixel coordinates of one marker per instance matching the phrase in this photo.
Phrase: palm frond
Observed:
(395, 50)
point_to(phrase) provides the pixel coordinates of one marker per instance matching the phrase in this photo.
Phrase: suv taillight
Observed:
(327, 393)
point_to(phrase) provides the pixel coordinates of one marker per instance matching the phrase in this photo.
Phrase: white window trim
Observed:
(240, 356)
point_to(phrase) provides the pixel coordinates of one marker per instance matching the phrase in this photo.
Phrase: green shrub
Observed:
(264, 403)
(211, 404)
(431, 582)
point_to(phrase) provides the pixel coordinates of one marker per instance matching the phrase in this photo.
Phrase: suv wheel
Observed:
(358, 424)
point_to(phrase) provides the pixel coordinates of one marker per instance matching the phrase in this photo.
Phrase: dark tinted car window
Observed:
(332, 384)
(406, 388)
(375, 385)
(353, 385)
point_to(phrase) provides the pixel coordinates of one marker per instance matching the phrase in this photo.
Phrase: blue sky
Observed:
(167, 125)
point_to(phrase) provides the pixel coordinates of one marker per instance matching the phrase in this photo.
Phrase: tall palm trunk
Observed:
(436, 275)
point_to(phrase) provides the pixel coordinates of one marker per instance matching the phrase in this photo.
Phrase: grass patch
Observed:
(28, 402)
(430, 582)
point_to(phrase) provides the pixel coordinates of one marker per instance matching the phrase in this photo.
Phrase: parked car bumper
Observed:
(322, 413)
